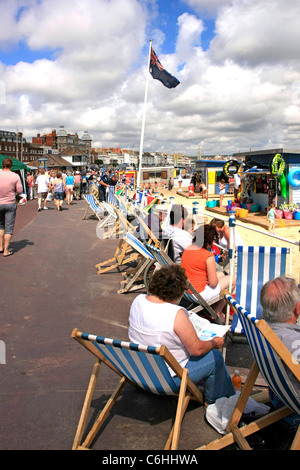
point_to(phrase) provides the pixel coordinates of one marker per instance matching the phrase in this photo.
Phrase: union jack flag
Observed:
(160, 73)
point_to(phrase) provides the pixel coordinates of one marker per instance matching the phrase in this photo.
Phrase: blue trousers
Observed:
(211, 372)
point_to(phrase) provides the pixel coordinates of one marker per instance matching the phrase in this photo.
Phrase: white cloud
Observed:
(242, 92)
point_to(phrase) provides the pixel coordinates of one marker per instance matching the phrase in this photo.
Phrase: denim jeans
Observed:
(211, 372)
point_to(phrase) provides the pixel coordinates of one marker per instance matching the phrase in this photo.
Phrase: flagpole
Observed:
(144, 120)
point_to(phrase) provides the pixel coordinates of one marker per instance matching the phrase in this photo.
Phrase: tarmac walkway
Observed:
(48, 287)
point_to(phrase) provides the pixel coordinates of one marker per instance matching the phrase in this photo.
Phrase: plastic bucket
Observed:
(254, 207)
(243, 213)
(297, 215)
(288, 215)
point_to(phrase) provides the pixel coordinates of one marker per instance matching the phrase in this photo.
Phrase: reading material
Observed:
(207, 330)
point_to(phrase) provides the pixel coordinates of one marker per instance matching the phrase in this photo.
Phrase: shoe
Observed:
(9, 254)
(46, 208)
(40, 209)
(60, 208)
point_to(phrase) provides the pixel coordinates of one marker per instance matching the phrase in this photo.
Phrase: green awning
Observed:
(17, 165)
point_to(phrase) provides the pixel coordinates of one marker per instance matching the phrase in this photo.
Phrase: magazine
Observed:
(207, 330)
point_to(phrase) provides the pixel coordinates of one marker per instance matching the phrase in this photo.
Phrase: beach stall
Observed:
(271, 176)
(18, 167)
(211, 173)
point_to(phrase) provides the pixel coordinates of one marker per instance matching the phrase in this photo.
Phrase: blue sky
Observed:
(168, 13)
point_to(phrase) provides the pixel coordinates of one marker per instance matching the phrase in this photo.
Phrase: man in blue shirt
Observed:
(102, 186)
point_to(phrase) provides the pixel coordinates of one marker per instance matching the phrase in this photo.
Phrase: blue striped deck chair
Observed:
(256, 266)
(191, 295)
(144, 367)
(110, 197)
(146, 258)
(110, 217)
(96, 208)
(273, 360)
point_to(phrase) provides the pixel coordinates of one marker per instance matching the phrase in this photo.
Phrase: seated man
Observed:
(280, 301)
(177, 231)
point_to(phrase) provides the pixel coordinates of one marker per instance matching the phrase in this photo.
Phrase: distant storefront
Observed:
(211, 172)
(264, 185)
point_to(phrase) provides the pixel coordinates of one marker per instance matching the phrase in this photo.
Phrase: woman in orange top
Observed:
(200, 267)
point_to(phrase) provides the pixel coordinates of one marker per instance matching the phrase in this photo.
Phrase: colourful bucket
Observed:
(254, 207)
(297, 215)
(288, 215)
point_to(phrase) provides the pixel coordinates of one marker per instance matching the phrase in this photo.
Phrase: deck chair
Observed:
(146, 258)
(145, 367)
(124, 253)
(191, 295)
(271, 359)
(255, 266)
(93, 206)
(111, 216)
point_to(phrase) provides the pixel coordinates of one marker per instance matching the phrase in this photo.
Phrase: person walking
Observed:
(69, 184)
(77, 185)
(271, 218)
(58, 190)
(10, 185)
(42, 183)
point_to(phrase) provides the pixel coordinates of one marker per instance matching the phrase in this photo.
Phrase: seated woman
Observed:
(200, 267)
(156, 319)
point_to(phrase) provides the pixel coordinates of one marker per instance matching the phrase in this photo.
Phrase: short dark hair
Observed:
(177, 212)
(7, 163)
(168, 283)
(205, 235)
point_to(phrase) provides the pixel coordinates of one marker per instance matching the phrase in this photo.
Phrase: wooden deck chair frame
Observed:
(128, 283)
(155, 378)
(145, 257)
(271, 358)
(124, 253)
(192, 295)
(93, 206)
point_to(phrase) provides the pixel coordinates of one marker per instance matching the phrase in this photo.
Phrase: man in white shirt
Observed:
(181, 238)
(42, 183)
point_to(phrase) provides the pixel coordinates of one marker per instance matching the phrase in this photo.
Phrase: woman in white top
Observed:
(156, 319)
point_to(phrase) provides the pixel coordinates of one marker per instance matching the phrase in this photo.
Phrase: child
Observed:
(222, 190)
(271, 218)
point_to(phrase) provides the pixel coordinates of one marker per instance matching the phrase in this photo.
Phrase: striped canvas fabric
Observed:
(111, 195)
(141, 364)
(91, 201)
(138, 245)
(268, 361)
(256, 266)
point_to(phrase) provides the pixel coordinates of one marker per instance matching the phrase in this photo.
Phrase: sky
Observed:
(83, 64)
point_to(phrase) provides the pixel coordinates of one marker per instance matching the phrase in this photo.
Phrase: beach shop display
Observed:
(294, 177)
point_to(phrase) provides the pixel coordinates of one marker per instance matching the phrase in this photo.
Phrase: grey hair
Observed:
(278, 299)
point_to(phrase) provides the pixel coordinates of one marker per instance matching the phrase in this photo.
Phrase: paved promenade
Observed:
(48, 287)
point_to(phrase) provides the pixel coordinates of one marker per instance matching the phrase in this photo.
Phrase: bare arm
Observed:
(185, 331)
(211, 272)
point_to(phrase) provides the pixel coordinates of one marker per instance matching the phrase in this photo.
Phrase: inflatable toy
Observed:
(294, 177)
(282, 182)
(277, 166)
(227, 169)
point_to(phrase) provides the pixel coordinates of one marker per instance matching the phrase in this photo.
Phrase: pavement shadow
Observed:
(20, 245)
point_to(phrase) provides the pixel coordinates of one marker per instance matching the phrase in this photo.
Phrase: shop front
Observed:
(270, 176)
